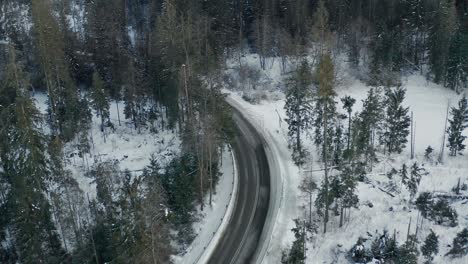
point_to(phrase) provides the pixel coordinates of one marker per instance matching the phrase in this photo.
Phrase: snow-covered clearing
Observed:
(428, 102)
(214, 218)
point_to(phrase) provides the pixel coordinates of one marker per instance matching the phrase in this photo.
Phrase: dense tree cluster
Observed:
(437, 210)
(161, 63)
(157, 62)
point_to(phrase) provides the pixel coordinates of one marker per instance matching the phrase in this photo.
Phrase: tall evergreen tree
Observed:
(416, 174)
(326, 93)
(369, 125)
(460, 244)
(457, 64)
(431, 246)
(457, 125)
(348, 103)
(298, 108)
(296, 254)
(442, 30)
(64, 110)
(397, 121)
(408, 252)
(25, 169)
(99, 99)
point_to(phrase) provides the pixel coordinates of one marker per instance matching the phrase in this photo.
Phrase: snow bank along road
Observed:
(243, 235)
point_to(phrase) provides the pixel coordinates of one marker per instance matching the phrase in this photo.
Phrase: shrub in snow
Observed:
(430, 247)
(444, 214)
(408, 252)
(359, 253)
(428, 153)
(439, 211)
(384, 247)
(459, 187)
(460, 244)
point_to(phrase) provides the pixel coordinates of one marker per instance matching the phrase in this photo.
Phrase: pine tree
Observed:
(455, 130)
(368, 125)
(404, 174)
(320, 30)
(460, 244)
(99, 99)
(430, 247)
(25, 168)
(412, 183)
(348, 194)
(298, 108)
(63, 96)
(442, 29)
(326, 93)
(457, 64)
(296, 254)
(348, 103)
(338, 144)
(397, 121)
(408, 252)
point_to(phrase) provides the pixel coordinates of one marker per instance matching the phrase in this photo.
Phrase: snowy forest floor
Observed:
(377, 210)
(129, 148)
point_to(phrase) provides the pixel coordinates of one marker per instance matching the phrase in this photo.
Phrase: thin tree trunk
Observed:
(341, 215)
(442, 148)
(118, 111)
(325, 159)
(210, 171)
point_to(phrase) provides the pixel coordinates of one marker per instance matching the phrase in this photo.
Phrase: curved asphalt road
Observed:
(242, 235)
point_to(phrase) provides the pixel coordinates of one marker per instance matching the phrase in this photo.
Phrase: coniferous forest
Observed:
(159, 67)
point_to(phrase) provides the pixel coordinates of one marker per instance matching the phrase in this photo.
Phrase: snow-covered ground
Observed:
(131, 148)
(428, 102)
(214, 218)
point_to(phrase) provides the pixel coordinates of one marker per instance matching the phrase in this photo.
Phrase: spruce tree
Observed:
(369, 125)
(457, 64)
(99, 99)
(320, 30)
(349, 198)
(430, 247)
(348, 103)
(412, 183)
(296, 254)
(408, 253)
(63, 96)
(298, 108)
(397, 121)
(338, 144)
(456, 127)
(25, 168)
(460, 244)
(326, 93)
(404, 174)
(443, 27)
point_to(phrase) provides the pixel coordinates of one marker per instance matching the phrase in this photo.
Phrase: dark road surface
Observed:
(240, 240)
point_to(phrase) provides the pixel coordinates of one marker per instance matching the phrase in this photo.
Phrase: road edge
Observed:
(206, 255)
(276, 182)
